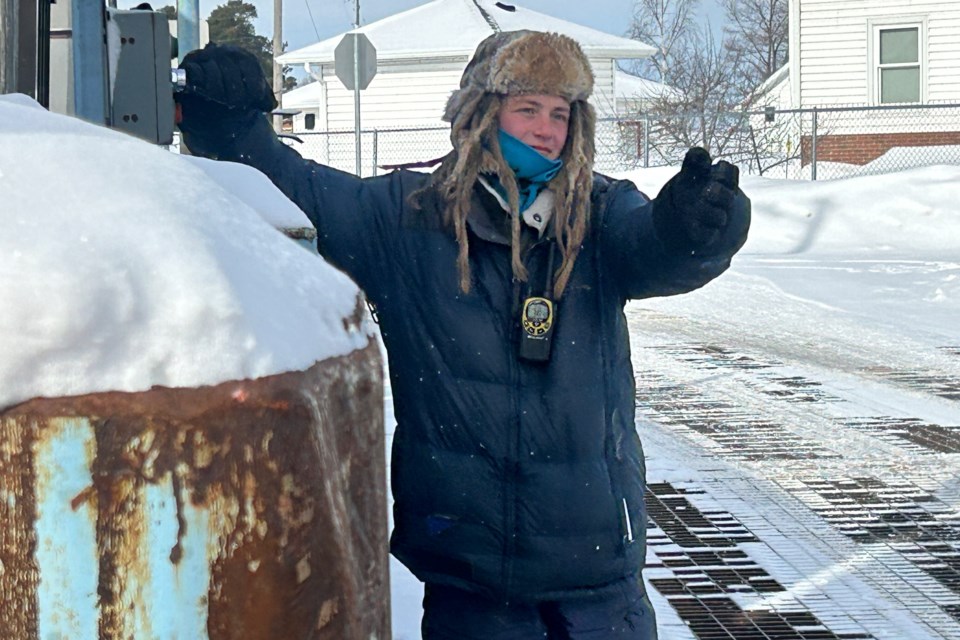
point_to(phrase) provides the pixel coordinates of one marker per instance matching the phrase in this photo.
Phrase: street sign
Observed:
(366, 61)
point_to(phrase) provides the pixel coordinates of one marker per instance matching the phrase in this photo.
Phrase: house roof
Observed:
(304, 96)
(778, 77)
(631, 87)
(454, 28)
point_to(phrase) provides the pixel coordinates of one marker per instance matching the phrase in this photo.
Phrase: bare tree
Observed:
(704, 109)
(759, 31)
(712, 85)
(665, 25)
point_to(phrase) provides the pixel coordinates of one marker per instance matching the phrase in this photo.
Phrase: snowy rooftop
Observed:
(631, 87)
(303, 97)
(454, 28)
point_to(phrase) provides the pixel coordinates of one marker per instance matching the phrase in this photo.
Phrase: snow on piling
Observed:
(191, 404)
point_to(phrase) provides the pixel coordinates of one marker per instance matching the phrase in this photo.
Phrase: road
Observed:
(801, 420)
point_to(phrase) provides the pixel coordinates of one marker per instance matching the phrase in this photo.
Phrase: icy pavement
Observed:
(801, 420)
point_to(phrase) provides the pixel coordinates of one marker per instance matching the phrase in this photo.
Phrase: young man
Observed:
(500, 281)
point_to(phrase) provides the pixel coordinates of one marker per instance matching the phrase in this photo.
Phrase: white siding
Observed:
(415, 95)
(835, 42)
(943, 42)
(409, 95)
(396, 98)
(603, 99)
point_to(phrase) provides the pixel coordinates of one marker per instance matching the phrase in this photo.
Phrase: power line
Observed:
(306, 3)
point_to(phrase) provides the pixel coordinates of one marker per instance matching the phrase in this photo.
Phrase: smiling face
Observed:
(540, 121)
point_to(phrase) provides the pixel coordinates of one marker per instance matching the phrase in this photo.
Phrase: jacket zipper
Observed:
(512, 464)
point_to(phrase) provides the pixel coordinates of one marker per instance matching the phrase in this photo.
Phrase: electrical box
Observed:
(139, 70)
(111, 67)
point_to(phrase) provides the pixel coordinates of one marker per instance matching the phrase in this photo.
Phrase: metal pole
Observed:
(646, 141)
(356, 88)
(756, 151)
(9, 45)
(376, 145)
(277, 67)
(813, 148)
(90, 97)
(41, 67)
(188, 27)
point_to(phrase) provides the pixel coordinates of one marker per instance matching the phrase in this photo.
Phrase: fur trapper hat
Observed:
(515, 63)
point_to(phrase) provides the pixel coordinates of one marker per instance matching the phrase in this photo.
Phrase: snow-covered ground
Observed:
(801, 414)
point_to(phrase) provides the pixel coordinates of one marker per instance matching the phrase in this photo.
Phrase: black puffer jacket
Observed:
(517, 480)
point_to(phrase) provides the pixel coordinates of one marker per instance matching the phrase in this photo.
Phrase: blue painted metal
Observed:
(67, 557)
(188, 27)
(90, 90)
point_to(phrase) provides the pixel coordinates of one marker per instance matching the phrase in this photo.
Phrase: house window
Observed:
(898, 68)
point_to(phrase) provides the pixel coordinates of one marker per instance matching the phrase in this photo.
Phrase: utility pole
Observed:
(9, 45)
(356, 88)
(277, 67)
(188, 27)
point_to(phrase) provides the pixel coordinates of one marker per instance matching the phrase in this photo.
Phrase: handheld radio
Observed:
(538, 320)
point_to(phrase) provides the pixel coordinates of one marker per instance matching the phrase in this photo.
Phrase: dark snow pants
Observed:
(623, 614)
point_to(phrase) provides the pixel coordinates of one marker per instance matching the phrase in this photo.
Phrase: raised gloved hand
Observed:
(693, 209)
(226, 91)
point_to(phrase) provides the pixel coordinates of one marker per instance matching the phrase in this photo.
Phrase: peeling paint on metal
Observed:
(20, 577)
(252, 510)
(66, 536)
(179, 587)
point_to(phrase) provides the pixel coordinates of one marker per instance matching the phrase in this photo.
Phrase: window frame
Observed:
(875, 84)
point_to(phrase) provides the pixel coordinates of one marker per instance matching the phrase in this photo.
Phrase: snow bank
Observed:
(123, 266)
(910, 213)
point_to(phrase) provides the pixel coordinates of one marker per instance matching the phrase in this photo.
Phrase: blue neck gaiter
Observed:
(532, 170)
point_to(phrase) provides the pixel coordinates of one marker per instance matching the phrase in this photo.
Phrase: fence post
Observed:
(756, 151)
(813, 148)
(376, 140)
(646, 141)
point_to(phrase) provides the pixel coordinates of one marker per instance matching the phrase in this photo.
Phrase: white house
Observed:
(421, 54)
(875, 53)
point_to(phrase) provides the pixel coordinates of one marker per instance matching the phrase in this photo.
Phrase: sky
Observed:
(841, 283)
(308, 21)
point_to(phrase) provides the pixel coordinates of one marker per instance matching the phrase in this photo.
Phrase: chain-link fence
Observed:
(814, 143)
(826, 142)
(618, 143)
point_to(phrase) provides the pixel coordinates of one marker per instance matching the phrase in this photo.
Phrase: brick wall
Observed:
(863, 148)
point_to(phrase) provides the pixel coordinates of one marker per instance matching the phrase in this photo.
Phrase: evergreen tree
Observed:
(232, 23)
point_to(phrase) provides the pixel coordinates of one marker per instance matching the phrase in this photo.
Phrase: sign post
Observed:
(355, 63)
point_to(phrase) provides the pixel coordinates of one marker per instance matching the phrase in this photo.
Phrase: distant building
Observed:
(882, 53)
(421, 54)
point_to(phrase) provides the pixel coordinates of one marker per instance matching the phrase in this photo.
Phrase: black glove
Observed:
(692, 210)
(226, 92)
